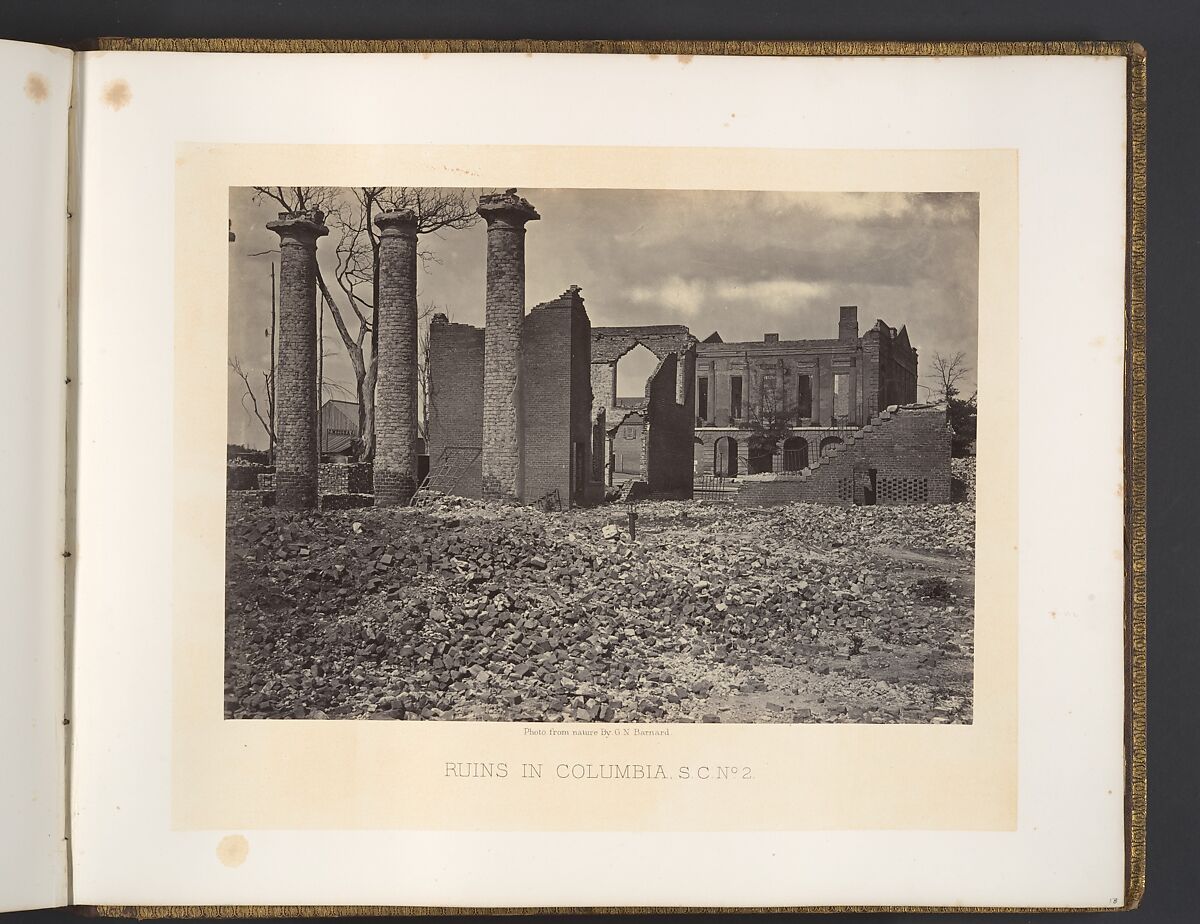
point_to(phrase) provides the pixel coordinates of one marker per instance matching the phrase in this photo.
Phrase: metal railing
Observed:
(715, 489)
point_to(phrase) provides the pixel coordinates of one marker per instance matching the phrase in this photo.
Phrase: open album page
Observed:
(518, 480)
(35, 99)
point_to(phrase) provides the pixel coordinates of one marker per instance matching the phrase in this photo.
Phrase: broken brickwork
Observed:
(902, 457)
(670, 425)
(456, 361)
(296, 366)
(345, 478)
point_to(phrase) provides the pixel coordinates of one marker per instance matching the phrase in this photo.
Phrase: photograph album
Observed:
(535, 475)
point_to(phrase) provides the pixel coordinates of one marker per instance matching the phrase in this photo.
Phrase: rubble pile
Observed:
(963, 471)
(465, 610)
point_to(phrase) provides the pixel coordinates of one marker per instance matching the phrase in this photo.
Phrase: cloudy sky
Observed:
(742, 263)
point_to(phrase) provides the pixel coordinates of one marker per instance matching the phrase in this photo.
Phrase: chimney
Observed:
(296, 452)
(770, 338)
(504, 315)
(395, 472)
(848, 323)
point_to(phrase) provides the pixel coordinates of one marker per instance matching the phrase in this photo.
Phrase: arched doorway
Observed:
(828, 443)
(795, 454)
(725, 457)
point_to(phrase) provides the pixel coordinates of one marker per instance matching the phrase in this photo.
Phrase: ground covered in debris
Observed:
(715, 613)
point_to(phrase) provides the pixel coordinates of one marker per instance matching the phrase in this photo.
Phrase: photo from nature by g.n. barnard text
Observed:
(601, 455)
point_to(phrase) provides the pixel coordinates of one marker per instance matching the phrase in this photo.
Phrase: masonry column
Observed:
(395, 471)
(506, 214)
(296, 366)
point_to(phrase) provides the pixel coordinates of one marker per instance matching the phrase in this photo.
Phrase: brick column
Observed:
(506, 214)
(396, 379)
(296, 367)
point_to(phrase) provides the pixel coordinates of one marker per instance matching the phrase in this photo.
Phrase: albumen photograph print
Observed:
(601, 455)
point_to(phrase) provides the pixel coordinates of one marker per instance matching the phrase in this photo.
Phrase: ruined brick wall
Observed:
(903, 364)
(248, 501)
(245, 477)
(671, 427)
(890, 363)
(609, 344)
(456, 396)
(396, 381)
(873, 351)
(599, 445)
(296, 367)
(547, 403)
(557, 413)
(345, 478)
(908, 448)
(581, 403)
(603, 385)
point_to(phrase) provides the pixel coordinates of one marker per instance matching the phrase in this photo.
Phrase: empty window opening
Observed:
(841, 395)
(804, 397)
(735, 396)
(634, 370)
(702, 398)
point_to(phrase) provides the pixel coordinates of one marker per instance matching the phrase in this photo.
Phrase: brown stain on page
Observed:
(36, 88)
(232, 850)
(117, 95)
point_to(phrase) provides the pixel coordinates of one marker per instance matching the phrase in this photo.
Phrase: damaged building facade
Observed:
(818, 392)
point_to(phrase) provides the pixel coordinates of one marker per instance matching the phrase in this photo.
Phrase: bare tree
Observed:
(267, 422)
(424, 382)
(948, 371)
(768, 421)
(350, 214)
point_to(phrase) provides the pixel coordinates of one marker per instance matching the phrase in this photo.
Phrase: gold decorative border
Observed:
(1135, 482)
(1135, 403)
(620, 47)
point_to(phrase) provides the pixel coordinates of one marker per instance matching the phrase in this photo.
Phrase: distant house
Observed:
(339, 430)
(339, 427)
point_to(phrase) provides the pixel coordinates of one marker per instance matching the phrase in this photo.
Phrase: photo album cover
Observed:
(610, 476)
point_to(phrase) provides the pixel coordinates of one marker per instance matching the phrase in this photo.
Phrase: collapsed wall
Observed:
(556, 410)
(901, 457)
(670, 428)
